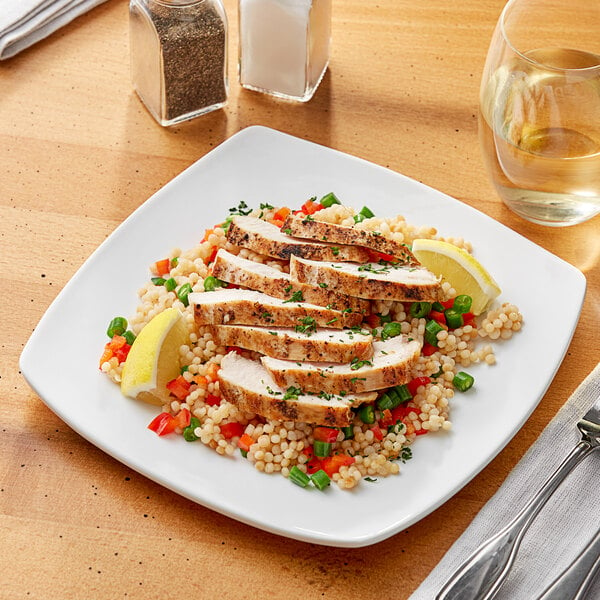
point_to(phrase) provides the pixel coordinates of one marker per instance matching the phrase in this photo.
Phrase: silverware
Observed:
(481, 575)
(574, 582)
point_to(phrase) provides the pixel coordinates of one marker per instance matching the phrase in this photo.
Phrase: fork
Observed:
(481, 575)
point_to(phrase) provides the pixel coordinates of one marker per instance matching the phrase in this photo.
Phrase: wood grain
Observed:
(80, 153)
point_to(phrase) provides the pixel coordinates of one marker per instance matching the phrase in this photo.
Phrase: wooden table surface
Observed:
(80, 153)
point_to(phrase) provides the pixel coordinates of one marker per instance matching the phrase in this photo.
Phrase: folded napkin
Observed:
(24, 22)
(563, 527)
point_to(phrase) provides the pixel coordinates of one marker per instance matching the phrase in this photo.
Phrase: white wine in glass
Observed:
(539, 118)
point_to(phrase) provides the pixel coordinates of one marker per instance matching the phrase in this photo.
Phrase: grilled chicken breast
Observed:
(265, 238)
(290, 344)
(248, 307)
(257, 276)
(391, 364)
(314, 229)
(248, 385)
(371, 280)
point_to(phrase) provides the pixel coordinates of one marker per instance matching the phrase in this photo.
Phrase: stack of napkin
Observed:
(24, 22)
(566, 524)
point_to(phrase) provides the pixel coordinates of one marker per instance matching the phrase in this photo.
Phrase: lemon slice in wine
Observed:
(153, 360)
(459, 268)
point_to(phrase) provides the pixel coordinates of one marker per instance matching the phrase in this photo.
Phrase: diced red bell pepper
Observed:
(122, 352)
(118, 347)
(245, 442)
(386, 418)
(313, 465)
(428, 349)
(377, 432)
(399, 413)
(230, 430)
(163, 424)
(448, 303)
(373, 320)
(421, 431)
(325, 434)
(333, 463)
(183, 418)
(212, 400)
(236, 349)
(280, 216)
(310, 207)
(440, 317)
(376, 256)
(416, 383)
(469, 319)
(212, 255)
(179, 387)
(162, 267)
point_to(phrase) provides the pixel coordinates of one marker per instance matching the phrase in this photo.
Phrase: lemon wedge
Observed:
(153, 360)
(460, 269)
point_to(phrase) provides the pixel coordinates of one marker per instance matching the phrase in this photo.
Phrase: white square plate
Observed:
(262, 165)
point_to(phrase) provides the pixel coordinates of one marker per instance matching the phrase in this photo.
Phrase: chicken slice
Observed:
(307, 343)
(386, 281)
(265, 238)
(314, 229)
(257, 276)
(392, 364)
(248, 385)
(248, 307)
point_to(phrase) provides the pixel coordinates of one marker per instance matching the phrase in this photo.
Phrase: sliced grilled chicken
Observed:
(265, 238)
(291, 344)
(313, 229)
(257, 276)
(371, 280)
(391, 364)
(248, 307)
(248, 385)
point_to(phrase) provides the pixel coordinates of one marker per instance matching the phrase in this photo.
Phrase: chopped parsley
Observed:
(356, 364)
(295, 297)
(370, 479)
(292, 393)
(307, 325)
(273, 392)
(267, 316)
(265, 206)
(335, 250)
(331, 321)
(357, 379)
(241, 209)
(323, 285)
(308, 218)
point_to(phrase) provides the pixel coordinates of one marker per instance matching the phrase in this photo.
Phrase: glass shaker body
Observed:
(179, 57)
(284, 46)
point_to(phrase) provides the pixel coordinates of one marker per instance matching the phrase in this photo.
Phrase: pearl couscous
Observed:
(367, 449)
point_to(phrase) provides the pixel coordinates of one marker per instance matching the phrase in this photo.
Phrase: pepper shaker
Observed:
(179, 57)
(284, 46)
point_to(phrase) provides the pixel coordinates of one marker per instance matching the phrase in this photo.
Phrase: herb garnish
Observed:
(307, 325)
(295, 297)
(273, 392)
(356, 364)
(292, 393)
(241, 209)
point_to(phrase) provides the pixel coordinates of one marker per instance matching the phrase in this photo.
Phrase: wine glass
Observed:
(539, 117)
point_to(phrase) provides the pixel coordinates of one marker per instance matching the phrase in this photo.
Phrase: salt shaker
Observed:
(179, 57)
(284, 46)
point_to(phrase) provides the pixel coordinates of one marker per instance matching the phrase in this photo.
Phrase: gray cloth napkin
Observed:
(566, 524)
(24, 22)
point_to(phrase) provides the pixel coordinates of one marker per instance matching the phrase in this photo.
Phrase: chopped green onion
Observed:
(348, 432)
(394, 397)
(129, 337)
(183, 293)
(320, 479)
(403, 392)
(366, 212)
(463, 381)
(329, 200)
(321, 449)
(158, 280)
(170, 284)
(117, 326)
(211, 283)
(188, 432)
(438, 307)
(419, 310)
(385, 318)
(390, 330)
(184, 369)
(462, 303)
(432, 328)
(299, 477)
(174, 262)
(244, 453)
(453, 318)
(366, 414)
